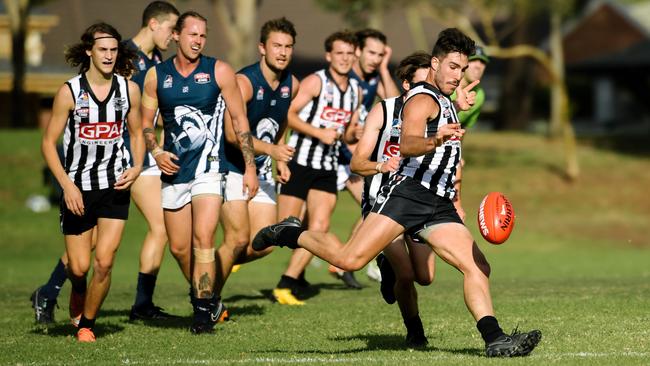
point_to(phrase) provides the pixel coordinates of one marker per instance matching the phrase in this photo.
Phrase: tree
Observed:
(459, 14)
(238, 25)
(18, 11)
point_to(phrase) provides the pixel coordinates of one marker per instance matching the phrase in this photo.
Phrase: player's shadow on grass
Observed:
(393, 342)
(382, 342)
(66, 329)
(313, 290)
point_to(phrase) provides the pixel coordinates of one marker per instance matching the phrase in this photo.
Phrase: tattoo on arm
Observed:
(150, 139)
(246, 145)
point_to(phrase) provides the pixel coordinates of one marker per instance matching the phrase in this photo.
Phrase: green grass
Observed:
(577, 267)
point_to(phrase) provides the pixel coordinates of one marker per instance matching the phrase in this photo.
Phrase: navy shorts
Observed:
(305, 178)
(105, 203)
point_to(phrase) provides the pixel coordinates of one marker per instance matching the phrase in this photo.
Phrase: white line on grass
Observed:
(335, 360)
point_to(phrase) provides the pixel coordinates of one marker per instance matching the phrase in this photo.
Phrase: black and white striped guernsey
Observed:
(332, 107)
(387, 146)
(437, 169)
(94, 150)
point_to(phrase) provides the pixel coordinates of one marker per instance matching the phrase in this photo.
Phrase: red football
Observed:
(496, 218)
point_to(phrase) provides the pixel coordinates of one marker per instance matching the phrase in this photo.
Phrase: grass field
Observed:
(577, 267)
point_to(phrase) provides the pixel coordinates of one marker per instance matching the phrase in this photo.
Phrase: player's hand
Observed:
(358, 131)
(386, 59)
(127, 178)
(450, 131)
(282, 152)
(391, 165)
(329, 136)
(284, 173)
(73, 199)
(459, 209)
(465, 97)
(250, 182)
(165, 162)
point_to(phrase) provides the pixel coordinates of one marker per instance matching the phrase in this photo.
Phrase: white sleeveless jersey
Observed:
(332, 107)
(94, 151)
(387, 146)
(437, 169)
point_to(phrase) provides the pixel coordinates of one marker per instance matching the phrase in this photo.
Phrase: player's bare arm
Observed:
(227, 81)
(309, 88)
(134, 123)
(387, 87)
(63, 104)
(417, 111)
(164, 159)
(361, 163)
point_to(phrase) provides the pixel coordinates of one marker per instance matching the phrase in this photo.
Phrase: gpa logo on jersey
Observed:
(260, 93)
(100, 133)
(202, 78)
(391, 149)
(446, 113)
(285, 92)
(169, 80)
(141, 64)
(339, 116)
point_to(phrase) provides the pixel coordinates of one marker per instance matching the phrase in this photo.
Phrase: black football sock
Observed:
(489, 328)
(414, 325)
(78, 284)
(53, 286)
(86, 323)
(287, 282)
(144, 290)
(302, 281)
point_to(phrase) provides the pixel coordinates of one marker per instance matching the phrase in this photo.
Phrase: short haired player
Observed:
(418, 199)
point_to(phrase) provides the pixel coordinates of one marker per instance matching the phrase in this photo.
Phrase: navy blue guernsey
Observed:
(266, 111)
(368, 88)
(192, 114)
(142, 64)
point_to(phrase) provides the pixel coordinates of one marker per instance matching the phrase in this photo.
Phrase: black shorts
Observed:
(305, 178)
(413, 206)
(105, 203)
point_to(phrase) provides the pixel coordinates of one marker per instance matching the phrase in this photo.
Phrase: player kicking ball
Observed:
(418, 199)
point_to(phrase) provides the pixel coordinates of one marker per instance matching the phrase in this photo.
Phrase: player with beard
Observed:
(192, 91)
(320, 115)
(418, 199)
(267, 88)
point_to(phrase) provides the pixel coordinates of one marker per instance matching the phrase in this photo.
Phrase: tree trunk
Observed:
(239, 27)
(376, 17)
(560, 123)
(517, 87)
(18, 11)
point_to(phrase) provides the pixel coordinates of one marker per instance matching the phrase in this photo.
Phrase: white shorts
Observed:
(342, 175)
(151, 170)
(178, 195)
(234, 183)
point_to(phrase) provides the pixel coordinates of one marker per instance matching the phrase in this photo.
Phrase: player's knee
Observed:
(179, 251)
(103, 266)
(78, 269)
(352, 263)
(424, 279)
(159, 232)
(237, 242)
